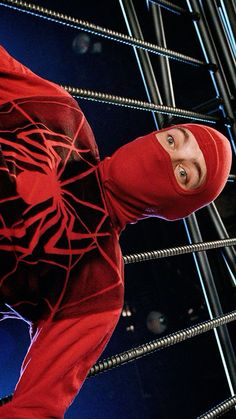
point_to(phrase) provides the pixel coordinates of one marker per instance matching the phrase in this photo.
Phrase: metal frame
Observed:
(219, 81)
(192, 228)
(223, 46)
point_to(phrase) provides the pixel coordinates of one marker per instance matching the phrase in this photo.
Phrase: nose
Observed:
(189, 152)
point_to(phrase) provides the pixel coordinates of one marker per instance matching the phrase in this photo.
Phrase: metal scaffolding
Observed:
(224, 90)
(214, 22)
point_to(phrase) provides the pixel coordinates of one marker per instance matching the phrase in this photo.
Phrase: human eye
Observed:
(182, 175)
(170, 140)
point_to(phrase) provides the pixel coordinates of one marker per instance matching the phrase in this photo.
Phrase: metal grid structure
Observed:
(223, 81)
(226, 90)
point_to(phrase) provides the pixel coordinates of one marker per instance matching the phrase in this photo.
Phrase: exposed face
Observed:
(187, 159)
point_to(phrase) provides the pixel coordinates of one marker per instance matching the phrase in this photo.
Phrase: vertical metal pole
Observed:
(218, 78)
(212, 300)
(213, 303)
(229, 252)
(229, 6)
(224, 50)
(201, 261)
(168, 92)
(143, 59)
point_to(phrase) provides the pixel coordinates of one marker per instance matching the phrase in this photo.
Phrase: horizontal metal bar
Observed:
(174, 8)
(161, 343)
(220, 409)
(75, 23)
(151, 347)
(138, 104)
(175, 251)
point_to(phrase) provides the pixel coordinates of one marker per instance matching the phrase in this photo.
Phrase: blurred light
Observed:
(130, 328)
(81, 43)
(97, 48)
(156, 322)
(126, 312)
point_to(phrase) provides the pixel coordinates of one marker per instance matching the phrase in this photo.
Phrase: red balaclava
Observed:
(139, 180)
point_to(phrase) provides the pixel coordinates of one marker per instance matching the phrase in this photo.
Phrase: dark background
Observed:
(185, 380)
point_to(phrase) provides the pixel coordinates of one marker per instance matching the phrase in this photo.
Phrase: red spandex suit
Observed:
(61, 213)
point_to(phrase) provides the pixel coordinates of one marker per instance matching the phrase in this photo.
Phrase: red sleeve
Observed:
(17, 81)
(57, 363)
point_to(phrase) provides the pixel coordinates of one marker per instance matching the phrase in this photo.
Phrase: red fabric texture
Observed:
(61, 264)
(56, 238)
(57, 363)
(139, 180)
(61, 212)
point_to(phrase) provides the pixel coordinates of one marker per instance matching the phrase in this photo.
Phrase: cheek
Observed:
(176, 176)
(202, 163)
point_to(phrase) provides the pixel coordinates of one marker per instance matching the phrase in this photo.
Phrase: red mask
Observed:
(139, 180)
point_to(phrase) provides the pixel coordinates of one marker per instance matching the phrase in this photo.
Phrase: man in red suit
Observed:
(61, 213)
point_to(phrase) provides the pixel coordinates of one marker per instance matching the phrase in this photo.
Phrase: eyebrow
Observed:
(199, 171)
(186, 134)
(196, 164)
